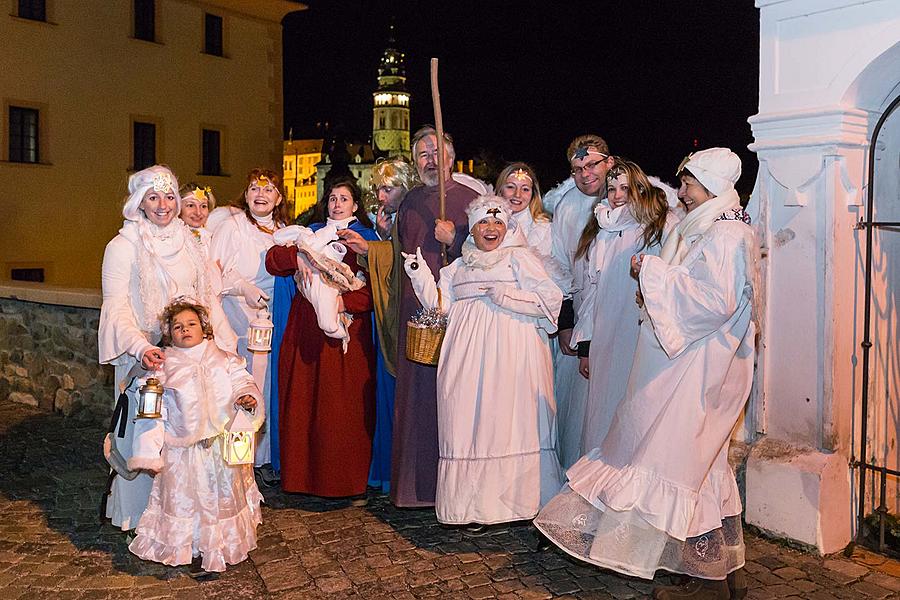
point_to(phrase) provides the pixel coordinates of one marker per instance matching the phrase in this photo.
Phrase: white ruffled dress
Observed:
(198, 503)
(659, 492)
(496, 411)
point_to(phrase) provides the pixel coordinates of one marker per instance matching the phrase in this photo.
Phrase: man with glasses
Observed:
(589, 159)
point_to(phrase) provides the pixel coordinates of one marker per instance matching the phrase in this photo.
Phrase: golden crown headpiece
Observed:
(521, 174)
(201, 193)
(263, 181)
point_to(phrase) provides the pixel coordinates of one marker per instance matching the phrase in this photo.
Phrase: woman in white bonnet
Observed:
(152, 260)
(659, 492)
(496, 411)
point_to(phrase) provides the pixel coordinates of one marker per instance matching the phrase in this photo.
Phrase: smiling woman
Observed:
(152, 260)
(239, 245)
(496, 416)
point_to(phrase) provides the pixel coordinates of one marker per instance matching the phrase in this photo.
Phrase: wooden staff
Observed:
(439, 128)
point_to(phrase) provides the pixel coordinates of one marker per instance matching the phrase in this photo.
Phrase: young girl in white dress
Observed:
(202, 511)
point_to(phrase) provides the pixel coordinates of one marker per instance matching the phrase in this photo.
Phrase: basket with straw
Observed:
(425, 330)
(424, 335)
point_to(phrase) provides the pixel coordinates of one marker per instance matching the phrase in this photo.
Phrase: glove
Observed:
(496, 293)
(253, 296)
(421, 278)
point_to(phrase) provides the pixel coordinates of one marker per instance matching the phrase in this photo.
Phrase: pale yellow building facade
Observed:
(84, 99)
(300, 160)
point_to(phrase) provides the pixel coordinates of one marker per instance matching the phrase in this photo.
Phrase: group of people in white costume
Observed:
(669, 362)
(593, 366)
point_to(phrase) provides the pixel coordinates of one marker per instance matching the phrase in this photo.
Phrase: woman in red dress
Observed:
(327, 395)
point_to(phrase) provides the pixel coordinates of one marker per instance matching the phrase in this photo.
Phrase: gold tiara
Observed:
(521, 174)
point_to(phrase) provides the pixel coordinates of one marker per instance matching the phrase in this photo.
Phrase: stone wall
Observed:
(48, 355)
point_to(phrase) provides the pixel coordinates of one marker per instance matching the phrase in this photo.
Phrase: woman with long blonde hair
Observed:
(633, 219)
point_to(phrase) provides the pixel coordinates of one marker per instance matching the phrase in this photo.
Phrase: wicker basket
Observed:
(423, 344)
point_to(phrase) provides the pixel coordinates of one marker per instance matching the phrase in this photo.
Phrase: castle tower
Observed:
(390, 124)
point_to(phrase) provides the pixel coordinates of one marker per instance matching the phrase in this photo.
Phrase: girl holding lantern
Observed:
(203, 511)
(152, 260)
(239, 244)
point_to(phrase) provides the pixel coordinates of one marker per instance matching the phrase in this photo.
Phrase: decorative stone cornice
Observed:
(833, 126)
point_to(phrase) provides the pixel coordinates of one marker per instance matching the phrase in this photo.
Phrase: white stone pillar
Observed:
(811, 137)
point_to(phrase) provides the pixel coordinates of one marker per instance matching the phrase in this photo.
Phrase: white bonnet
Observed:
(718, 169)
(489, 205)
(156, 177)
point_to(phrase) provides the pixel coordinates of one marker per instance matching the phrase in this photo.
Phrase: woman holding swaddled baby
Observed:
(327, 362)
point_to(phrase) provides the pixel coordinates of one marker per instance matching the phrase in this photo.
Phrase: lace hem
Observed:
(625, 542)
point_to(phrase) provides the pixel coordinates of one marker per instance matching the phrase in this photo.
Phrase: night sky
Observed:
(519, 80)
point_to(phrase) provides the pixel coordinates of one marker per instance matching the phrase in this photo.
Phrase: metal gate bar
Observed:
(869, 225)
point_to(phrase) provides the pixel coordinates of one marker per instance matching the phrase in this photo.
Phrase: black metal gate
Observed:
(867, 466)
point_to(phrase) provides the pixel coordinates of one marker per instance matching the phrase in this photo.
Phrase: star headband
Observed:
(521, 174)
(163, 182)
(584, 151)
(263, 181)
(201, 194)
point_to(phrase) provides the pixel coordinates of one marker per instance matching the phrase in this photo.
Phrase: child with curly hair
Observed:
(202, 511)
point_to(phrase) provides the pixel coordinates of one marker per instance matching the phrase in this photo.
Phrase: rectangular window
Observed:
(24, 133)
(145, 20)
(36, 10)
(212, 147)
(34, 274)
(144, 145)
(213, 31)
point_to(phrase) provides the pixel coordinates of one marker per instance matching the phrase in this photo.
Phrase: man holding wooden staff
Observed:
(414, 458)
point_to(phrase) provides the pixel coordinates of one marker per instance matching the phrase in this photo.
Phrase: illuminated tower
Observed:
(390, 125)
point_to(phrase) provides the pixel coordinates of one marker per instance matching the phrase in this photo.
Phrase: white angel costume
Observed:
(496, 411)
(144, 268)
(199, 504)
(239, 247)
(659, 492)
(609, 317)
(572, 213)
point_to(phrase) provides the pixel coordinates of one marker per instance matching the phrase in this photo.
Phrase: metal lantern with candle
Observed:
(238, 444)
(150, 398)
(259, 335)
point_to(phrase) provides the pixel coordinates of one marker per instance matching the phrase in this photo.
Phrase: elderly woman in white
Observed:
(152, 260)
(659, 493)
(496, 413)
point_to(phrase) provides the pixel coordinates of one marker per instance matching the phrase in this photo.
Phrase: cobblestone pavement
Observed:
(52, 545)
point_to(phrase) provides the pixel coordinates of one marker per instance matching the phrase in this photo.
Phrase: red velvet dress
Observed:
(326, 397)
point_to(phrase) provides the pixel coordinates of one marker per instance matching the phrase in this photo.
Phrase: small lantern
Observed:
(150, 397)
(237, 441)
(259, 335)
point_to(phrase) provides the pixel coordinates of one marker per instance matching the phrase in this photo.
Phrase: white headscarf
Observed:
(489, 205)
(718, 169)
(158, 178)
